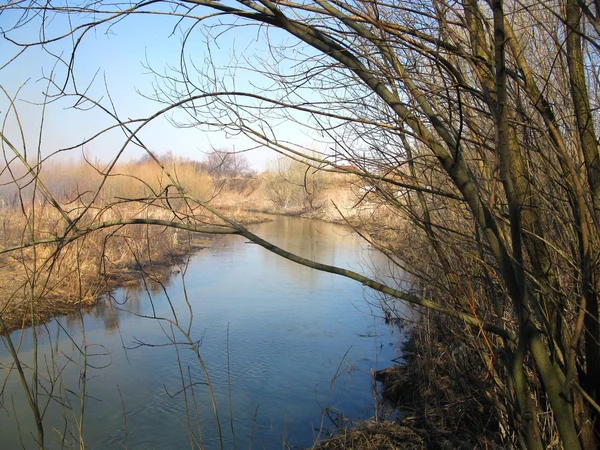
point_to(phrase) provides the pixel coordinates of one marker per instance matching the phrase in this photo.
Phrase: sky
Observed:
(118, 57)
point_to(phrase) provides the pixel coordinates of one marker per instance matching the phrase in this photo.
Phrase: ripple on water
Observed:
(298, 341)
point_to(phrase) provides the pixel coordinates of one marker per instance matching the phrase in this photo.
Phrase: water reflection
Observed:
(281, 343)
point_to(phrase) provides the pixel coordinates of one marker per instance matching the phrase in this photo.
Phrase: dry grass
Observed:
(339, 199)
(42, 281)
(79, 181)
(442, 393)
(53, 279)
(375, 436)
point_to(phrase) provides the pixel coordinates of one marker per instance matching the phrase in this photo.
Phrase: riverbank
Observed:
(435, 403)
(440, 395)
(52, 280)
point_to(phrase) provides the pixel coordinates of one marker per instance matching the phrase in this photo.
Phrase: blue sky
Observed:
(119, 55)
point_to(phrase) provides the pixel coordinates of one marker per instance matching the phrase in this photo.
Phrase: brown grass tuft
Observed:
(374, 436)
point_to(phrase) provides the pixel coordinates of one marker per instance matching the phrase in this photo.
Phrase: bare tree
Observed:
(476, 121)
(292, 184)
(224, 164)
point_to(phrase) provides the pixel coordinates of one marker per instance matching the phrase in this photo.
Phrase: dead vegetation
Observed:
(61, 274)
(375, 436)
(55, 279)
(441, 399)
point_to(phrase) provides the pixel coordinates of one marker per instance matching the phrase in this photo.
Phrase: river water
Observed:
(288, 352)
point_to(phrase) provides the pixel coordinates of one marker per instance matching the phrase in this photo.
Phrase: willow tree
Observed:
(477, 123)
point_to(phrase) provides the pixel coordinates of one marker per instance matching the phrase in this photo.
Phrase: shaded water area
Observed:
(287, 350)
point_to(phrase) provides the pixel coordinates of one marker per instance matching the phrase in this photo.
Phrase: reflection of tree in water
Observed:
(122, 300)
(311, 239)
(109, 315)
(104, 309)
(308, 238)
(128, 299)
(156, 286)
(72, 321)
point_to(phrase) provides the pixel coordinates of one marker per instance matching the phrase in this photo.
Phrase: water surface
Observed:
(289, 350)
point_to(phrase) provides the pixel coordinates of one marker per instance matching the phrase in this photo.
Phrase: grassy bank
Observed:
(61, 276)
(295, 190)
(55, 279)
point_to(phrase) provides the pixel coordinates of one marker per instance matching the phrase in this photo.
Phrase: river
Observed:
(288, 350)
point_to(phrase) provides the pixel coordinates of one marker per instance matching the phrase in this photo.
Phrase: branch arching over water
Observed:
(366, 281)
(236, 228)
